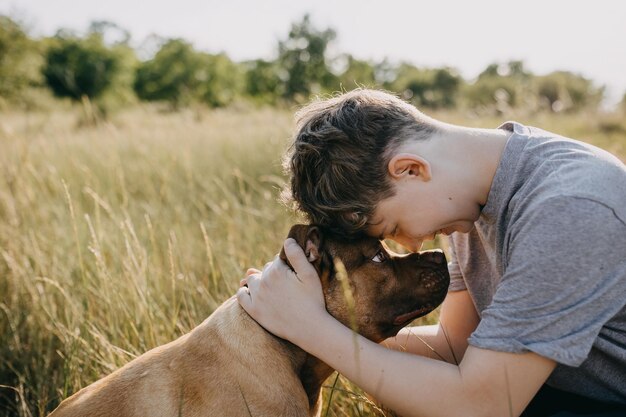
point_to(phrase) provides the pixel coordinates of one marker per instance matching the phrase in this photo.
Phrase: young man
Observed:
(537, 225)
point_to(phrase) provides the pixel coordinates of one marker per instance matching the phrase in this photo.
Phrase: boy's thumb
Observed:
(298, 260)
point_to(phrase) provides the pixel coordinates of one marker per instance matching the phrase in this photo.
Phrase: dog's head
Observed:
(388, 290)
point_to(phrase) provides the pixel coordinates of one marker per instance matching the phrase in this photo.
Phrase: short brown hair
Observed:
(339, 155)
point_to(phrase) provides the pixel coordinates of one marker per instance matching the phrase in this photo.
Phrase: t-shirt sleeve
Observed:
(565, 278)
(457, 283)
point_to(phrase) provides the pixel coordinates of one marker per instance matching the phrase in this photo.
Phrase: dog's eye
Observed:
(379, 257)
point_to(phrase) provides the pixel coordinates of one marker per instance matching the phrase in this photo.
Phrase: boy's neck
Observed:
(468, 155)
(483, 149)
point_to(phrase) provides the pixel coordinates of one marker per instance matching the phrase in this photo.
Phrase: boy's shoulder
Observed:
(543, 166)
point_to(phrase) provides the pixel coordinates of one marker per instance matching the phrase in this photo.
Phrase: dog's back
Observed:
(227, 366)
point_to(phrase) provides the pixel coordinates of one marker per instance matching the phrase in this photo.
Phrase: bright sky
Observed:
(581, 36)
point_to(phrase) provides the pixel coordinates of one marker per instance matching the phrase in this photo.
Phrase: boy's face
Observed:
(418, 211)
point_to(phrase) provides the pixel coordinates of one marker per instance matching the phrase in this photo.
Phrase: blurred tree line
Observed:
(101, 67)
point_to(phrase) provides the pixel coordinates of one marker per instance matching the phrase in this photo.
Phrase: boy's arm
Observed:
(446, 340)
(486, 383)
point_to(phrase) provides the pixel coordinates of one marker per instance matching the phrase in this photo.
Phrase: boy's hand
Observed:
(284, 302)
(250, 271)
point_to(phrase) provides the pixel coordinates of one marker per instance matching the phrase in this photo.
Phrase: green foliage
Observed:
(110, 32)
(179, 75)
(357, 73)
(262, 81)
(497, 92)
(102, 68)
(566, 91)
(20, 61)
(303, 59)
(170, 75)
(78, 67)
(499, 87)
(221, 80)
(502, 87)
(117, 39)
(513, 69)
(433, 88)
(94, 69)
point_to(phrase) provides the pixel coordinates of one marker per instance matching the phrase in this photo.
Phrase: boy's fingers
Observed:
(298, 259)
(251, 271)
(244, 293)
(244, 298)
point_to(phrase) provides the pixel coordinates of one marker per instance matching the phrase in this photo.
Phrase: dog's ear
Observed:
(313, 244)
(309, 237)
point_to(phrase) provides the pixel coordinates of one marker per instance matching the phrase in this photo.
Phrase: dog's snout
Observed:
(434, 256)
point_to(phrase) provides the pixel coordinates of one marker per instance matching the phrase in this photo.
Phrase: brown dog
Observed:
(231, 366)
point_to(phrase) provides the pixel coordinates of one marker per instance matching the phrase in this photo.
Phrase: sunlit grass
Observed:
(121, 237)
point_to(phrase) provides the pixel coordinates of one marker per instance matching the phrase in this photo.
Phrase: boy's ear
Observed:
(404, 165)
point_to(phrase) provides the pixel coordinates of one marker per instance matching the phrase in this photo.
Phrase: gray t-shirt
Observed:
(545, 264)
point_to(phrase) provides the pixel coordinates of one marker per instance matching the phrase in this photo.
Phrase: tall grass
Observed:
(121, 237)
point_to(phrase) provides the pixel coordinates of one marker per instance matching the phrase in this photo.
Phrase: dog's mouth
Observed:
(434, 284)
(406, 318)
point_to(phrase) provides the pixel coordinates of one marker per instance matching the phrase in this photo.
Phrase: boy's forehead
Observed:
(376, 227)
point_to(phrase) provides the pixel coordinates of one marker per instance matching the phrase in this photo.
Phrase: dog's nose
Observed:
(434, 256)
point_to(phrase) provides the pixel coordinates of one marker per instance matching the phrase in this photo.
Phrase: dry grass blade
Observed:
(330, 395)
(342, 276)
(80, 299)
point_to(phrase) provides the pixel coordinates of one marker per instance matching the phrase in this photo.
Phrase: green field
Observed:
(121, 237)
